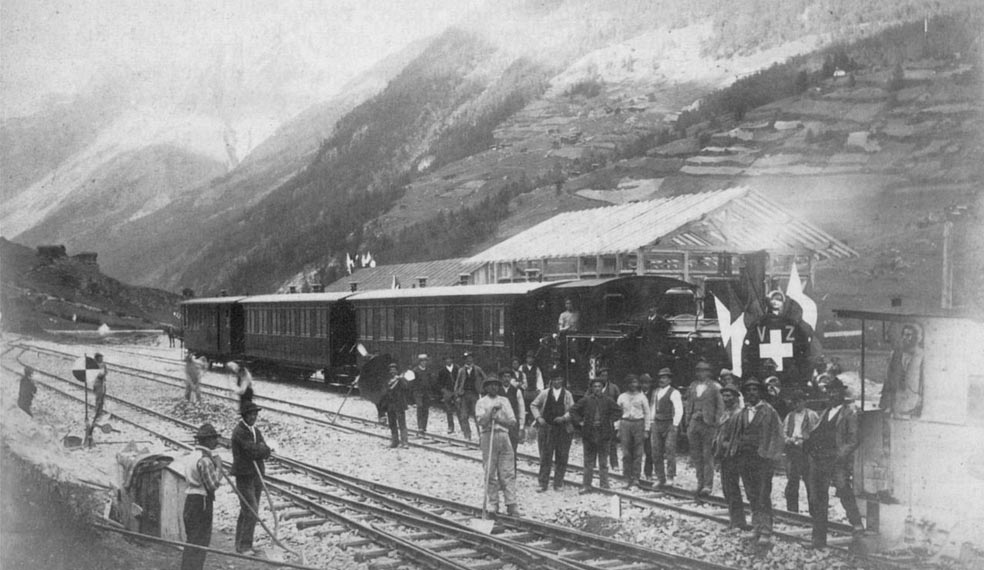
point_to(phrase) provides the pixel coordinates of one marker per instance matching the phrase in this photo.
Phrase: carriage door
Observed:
(614, 308)
(221, 330)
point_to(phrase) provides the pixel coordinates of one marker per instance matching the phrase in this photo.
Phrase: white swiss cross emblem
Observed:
(776, 349)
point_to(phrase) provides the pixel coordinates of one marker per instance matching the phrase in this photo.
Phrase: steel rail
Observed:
(516, 552)
(795, 519)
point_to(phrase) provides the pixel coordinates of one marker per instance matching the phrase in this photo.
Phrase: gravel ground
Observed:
(430, 473)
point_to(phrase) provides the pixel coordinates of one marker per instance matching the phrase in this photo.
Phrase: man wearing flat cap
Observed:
(666, 408)
(830, 447)
(249, 450)
(204, 476)
(701, 412)
(495, 418)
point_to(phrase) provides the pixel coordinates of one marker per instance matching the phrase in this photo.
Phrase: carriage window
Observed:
(422, 315)
(467, 324)
(389, 330)
(398, 328)
(614, 307)
(298, 322)
(412, 324)
(435, 324)
(377, 322)
(499, 325)
(323, 323)
(485, 326)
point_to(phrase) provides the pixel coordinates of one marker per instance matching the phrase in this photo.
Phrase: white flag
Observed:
(738, 332)
(724, 319)
(349, 264)
(794, 290)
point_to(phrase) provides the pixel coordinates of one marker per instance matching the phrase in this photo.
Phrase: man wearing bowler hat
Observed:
(666, 408)
(724, 452)
(830, 447)
(701, 412)
(204, 475)
(596, 413)
(249, 450)
(551, 410)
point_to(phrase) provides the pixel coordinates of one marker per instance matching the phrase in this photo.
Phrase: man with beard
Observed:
(249, 450)
(421, 381)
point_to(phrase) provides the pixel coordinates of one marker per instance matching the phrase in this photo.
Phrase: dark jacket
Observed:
(423, 385)
(396, 395)
(445, 379)
(459, 386)
(246, 450)
(707, 407)
(845, 433)
(591, 407)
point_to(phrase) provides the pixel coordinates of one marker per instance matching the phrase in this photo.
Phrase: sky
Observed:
(61, 46)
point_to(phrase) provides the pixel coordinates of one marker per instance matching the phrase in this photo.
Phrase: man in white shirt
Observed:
(633, 431)
(797, 427)
(568, 321)
(495, 417)
(666, 411)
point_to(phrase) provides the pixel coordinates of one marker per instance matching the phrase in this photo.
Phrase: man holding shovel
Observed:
(495, 417)
(249, 450)
(204, 476)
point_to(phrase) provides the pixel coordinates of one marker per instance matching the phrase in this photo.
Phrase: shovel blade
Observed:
(482, 525)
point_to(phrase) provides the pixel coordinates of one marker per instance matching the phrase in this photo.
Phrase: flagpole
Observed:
(85, 388)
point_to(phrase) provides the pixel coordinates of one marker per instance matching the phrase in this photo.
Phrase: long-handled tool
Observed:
(485, 524)
(347, 394)
(249, 507)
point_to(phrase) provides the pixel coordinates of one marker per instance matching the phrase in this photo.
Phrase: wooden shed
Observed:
(152, 491)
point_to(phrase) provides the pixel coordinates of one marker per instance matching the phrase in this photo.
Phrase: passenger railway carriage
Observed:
(493, 322)
(294, 335)
(213, 327)
(299, 334)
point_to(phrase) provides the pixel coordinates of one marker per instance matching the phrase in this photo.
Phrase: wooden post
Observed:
(813, 275)
(640, 262)
(946, 300)
(686, 266)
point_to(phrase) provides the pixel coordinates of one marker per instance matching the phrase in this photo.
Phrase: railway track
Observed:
(789, 526)
(425, 530)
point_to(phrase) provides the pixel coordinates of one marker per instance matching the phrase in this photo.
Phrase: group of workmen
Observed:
(729, 426)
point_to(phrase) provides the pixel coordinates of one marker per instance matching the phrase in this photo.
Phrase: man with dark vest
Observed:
(551, 410)
(446, 378)
(701, 411)
(830, 447)
(667, 411)
(467, 387)
(796, 427)
(249, 450)
(596, 413)
(532, 377)
(421, 381)
(756, 446)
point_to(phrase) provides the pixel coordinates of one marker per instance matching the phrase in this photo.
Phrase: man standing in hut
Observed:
(830, 447)
(701, 412)
(467, 387)
(249, 450)
(596, 413)
(551, 410)
(666, 408)
(204, 476)
(495, 418)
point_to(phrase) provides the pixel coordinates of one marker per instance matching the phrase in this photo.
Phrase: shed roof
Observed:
(213, 300)
(735, 220)
(296, 298)
(439, 273)
(461, 291)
